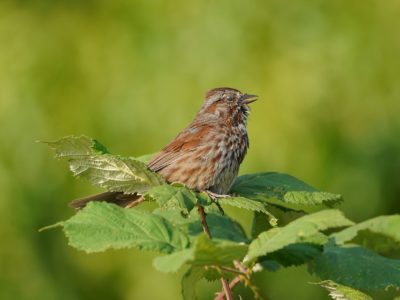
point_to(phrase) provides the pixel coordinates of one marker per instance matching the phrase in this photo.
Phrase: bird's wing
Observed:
(187, 140)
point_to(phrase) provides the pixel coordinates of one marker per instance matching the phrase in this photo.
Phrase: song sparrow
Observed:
(206, 155)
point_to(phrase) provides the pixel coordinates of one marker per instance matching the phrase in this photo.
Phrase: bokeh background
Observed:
(133, 73)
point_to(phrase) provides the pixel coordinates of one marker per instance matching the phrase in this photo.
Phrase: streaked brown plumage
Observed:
(206, 155)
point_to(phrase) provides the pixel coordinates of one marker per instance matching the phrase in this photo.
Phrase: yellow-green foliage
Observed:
(133, 73)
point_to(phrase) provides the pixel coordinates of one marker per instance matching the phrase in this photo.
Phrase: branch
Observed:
(227, 289)
(244, 274)
(225, 284)
(202, 214)
(247, 272)
(232, 284)
(242, 268)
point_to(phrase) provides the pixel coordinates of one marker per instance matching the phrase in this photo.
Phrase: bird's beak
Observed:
(247, 99)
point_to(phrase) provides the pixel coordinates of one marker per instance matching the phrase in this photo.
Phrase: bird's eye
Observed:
(226, 97)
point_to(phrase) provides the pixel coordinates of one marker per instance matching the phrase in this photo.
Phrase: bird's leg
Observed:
(214, 198)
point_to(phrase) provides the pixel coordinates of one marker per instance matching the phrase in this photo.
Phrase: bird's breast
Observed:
(213, 163)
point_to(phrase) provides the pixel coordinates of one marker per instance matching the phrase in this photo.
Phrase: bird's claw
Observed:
(214, 198)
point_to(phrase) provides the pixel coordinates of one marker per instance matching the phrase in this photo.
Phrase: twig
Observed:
(226, 286)
(230, 270)
(227, 289)
(202, 214)
(232, 284)
(246, 279)
(244, 275)
(241, 267)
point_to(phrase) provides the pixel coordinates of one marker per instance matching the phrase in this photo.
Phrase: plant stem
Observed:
(233, 283)
(227, 289)
(246, 279)
(230, 270)
(241, 267)
(202, 214)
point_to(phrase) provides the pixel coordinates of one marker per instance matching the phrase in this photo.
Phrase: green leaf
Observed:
(269, 265)
(101, 226)
(212, 274)
(71, 146)
(356, 267)
(282, 189)
(117, 174)
(285, 215)
(259, 224)
(221, 227)
(217, 252)
(381, 234)
(250, 204)
(176, 195)
(297, 231)
(88, 159)
(99, 148)
(205, 252)
(295, 254)
(342, 292)
(189, 281)
(172, 262)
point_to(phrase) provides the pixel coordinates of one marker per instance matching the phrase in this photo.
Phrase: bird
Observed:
(206, 155)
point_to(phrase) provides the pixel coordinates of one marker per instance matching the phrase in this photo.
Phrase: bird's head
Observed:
(228, 103)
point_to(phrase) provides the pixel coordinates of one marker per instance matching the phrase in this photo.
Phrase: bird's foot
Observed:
(215, 197)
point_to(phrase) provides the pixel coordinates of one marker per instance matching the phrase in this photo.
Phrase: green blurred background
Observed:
(133, 73)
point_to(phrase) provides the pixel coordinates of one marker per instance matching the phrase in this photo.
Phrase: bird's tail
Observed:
(118, 198)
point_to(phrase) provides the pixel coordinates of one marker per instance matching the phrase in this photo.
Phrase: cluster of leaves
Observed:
(293, 224)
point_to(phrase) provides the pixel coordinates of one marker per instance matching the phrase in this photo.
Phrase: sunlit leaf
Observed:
(250, 204)
(101, 226)
(342, 292)
(297, 231)
(176, 196)
(380, 234)
(205, 252)
(71, 146)
(282, 189)
(221, 227)
(89, 159)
